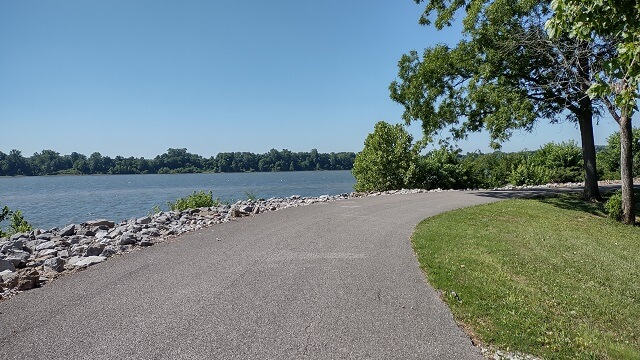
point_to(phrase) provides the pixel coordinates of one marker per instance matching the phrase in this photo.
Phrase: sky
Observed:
(136, 77)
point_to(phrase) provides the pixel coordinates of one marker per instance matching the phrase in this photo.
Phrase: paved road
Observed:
(327, 281)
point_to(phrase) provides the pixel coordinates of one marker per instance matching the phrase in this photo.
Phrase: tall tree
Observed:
(615, 21)
(505, 74)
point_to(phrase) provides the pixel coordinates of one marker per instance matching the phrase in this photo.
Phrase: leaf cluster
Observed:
(17, 223)
(505, 74)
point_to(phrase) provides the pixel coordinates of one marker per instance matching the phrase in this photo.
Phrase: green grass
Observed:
(552, 278)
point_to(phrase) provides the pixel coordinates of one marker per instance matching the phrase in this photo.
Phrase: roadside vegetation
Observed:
(194, 201)
(17, 223)
(550, 277)
(392, 160)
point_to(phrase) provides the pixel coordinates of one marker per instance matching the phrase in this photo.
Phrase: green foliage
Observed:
(442, 168)
(609, 157)
(390, 161)
(194, 201)
(553, 163)
(528, 173)
(614, 20)
(387, 161)
(174, 161)
(250, 195)
(17, 222)
(613, 206)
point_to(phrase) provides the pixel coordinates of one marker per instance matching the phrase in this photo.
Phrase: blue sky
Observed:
(136, 77)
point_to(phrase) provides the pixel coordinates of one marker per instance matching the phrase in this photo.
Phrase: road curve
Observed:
(326, 281)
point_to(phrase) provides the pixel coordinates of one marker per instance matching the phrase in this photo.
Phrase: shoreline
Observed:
(30, 260)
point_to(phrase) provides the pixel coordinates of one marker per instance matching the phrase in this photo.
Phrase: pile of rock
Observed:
(28, 260)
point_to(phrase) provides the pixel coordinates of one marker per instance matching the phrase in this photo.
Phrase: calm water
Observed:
(50, 201)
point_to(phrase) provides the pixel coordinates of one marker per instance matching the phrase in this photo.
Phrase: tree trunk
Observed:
(585, 120)
(626, 170)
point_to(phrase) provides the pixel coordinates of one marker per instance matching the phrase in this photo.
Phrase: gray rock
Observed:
(78, 250)
(95, 249)
(19, 236)
(90, 260)
(109, 251)
(85, 232)
(127, 239)
(115, 233)
(68, 230)
(28, 280)
(7, 265)
(234, 213)
(34, 243)
(151, 232)
(46, 245)
(73, 240)
(18, 257)
(144, 220)
(102, 222)
(48, 252)
(44, 236)
(63, 253)
(101, 234)
(56, 264)
(9, 278)
(162, 219)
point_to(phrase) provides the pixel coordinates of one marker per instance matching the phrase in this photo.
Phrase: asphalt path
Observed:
(325, 281)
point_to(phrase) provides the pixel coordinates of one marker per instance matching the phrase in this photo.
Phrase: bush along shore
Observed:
(29, 260)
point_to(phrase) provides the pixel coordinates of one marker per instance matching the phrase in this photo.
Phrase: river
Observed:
(55, 201)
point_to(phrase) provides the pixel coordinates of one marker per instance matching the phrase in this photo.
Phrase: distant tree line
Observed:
(49, 162)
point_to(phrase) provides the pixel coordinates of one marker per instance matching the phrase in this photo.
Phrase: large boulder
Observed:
(95, 249)
(56, 264)
(7, 265)
(9, 278)
(28, 280)
(68, 230)
(46, 245)
(127, 239)
(89, 260)
(18, 257)
(101, 222)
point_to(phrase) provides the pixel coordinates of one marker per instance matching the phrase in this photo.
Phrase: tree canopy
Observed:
(505, 74)
(616, 22)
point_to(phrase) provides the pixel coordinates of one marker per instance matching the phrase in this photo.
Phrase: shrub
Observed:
(193, 201)
(386, 160)
(613, 206)
(17, 222)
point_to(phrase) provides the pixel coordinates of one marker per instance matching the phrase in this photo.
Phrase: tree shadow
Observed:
(564, 198)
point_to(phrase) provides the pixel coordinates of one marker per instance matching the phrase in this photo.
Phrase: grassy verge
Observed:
(552, 278)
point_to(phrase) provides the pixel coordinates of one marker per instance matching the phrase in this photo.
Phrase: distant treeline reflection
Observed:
(49, 162)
